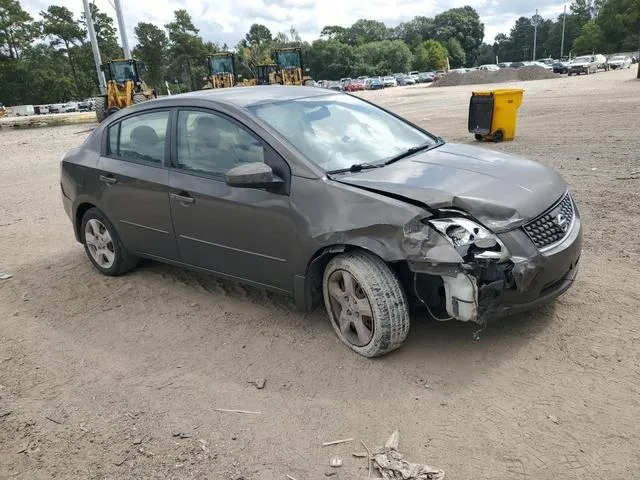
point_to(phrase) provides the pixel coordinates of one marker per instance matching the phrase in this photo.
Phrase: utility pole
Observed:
(94, 46)
(535, 21)
(123, 29)
(564, 20)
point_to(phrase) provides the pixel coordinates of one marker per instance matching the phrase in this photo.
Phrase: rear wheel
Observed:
(366, 304)
(103, 246)
(100, 108)
(478, 137)
(498, 136)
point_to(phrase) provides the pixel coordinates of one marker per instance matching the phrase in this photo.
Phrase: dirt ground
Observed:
(97, 373)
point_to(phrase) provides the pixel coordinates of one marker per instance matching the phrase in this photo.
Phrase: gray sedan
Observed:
(328, 198)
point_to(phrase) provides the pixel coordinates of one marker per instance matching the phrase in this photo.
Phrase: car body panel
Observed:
(277, 238)
(500, 190)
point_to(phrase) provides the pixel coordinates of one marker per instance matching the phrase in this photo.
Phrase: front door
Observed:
(240, 232)
(134, 178)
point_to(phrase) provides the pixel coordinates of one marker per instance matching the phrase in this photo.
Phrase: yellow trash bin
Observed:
(493, 114)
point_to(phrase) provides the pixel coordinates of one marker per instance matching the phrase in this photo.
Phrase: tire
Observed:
(123, 260)
(139, 98)
(478, 137)
(498, 136)
(570, 74)
(100, 108)
(376, 290)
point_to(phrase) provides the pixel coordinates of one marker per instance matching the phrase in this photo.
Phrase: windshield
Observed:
(338, 131)
(288, 59)
(582, 60)
(121, 72)
(220, 64)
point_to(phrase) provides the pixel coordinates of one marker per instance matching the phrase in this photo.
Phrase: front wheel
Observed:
(139, 98)
(100, 108)
(103, 246)
(366, 304)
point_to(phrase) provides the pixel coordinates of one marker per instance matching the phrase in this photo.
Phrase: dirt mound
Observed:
(500, 76)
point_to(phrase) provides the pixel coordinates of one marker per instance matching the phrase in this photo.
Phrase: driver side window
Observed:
(212, 144)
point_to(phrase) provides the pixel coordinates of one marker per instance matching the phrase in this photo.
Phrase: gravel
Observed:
(501, 76)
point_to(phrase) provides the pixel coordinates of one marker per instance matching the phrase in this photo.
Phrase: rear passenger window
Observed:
(140, 138)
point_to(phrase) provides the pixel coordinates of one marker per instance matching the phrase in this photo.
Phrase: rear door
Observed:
(134, 178)
(244, 233)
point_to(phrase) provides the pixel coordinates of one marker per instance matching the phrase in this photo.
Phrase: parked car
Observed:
(541, 65)
(426, 77)
(389, 81)
(560, 67)
(619, 61)
(85, 105)
(585, 64)
(22, 110)
(41, 109)
(517, 64)
(547, 61)
(489, 67)
(414, 74)
(601, 62)
(334, 86)
(504, 65)
(405, 80)
(367, 220)
(374, 83)
(353, 86)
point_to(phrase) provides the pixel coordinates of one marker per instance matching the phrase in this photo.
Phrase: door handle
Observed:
(183, 198)
(108, 179)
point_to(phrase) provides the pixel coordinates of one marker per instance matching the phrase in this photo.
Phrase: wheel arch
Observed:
(308, 288)
(81, 209)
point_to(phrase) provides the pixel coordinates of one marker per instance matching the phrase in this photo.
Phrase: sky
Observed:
(227, 21)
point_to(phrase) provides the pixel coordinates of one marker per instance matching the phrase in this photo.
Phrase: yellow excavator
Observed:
(222, 70)
(124, 87)
(290, 70)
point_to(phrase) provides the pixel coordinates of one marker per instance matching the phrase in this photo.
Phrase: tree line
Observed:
(49, 59)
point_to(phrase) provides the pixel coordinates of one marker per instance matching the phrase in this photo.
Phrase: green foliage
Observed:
(17, 29)
(590, 40)
(430, 55)
(384, 57)
(462, 25)
(457, 54)
(187, 51)
(153, 50)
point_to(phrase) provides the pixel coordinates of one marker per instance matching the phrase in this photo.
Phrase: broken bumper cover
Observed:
(540, 277)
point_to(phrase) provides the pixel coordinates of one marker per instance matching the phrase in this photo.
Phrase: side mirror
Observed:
(253, 175)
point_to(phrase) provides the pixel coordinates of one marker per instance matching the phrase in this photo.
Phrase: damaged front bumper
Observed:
(480, 290)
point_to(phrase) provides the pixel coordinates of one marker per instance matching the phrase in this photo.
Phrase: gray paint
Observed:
(271, 238)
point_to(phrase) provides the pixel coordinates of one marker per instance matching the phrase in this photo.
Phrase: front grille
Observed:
(552, 226)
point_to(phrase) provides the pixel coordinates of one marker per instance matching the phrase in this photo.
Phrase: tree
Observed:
(330, 59)
(258, 35)
(620, 24)
(106, 33)
(486, 55)
(17, 29)
(415, 31)
(590, 40)
(59, 24)
(152, 49)
(367, 31)
(385, 57)
(430, 55)
(585, 10)
(187, 50)
(463, 25)
(334, 32)
(456, 53)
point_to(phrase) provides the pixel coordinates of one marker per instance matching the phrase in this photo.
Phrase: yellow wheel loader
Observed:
(222, 70)
(266, 74)
(290, 70)
(124, 87)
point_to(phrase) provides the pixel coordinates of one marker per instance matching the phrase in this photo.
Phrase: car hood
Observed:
(499, 190)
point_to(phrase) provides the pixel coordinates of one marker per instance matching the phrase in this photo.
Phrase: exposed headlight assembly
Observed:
(470, 238)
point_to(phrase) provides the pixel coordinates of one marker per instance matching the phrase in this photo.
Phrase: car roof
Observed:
(249, 96)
